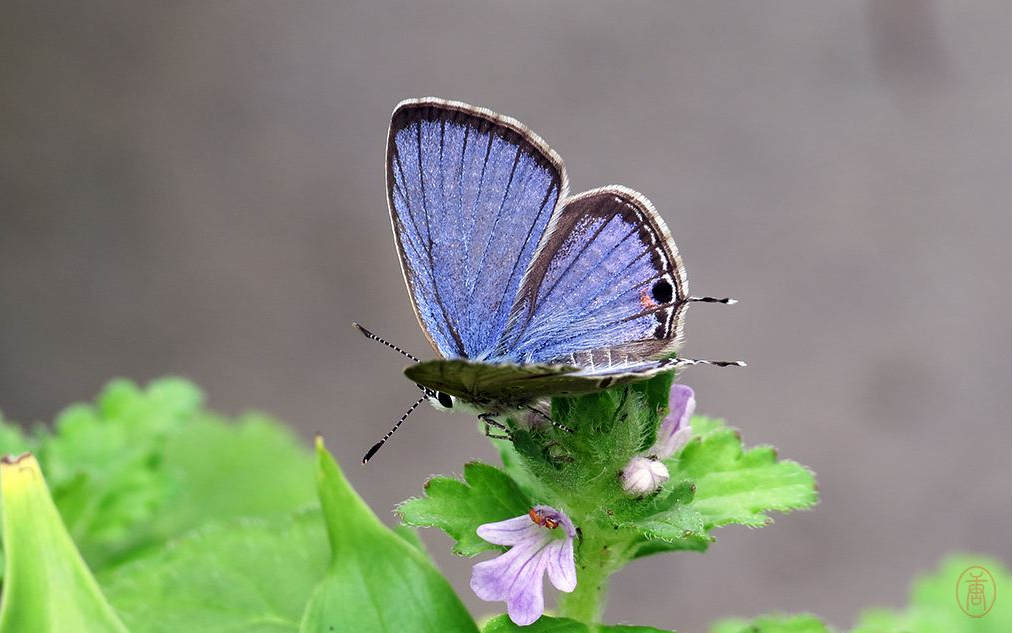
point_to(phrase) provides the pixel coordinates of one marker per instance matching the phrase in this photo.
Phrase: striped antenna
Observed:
(726, 300)
(376, 338)
(682, 362)
(376, 447)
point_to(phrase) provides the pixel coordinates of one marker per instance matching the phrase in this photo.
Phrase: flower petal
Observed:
(681, 438)
(561, 568)
(511, 531)
(516, 576)
(488, 580)
(681, 405)
(492, 580)
(526, 600)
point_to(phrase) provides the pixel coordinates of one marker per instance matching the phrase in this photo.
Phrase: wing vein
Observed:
(527, 238)
(495, 223)
(478, 198)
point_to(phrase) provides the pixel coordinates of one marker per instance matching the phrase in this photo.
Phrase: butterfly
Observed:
(524, 291)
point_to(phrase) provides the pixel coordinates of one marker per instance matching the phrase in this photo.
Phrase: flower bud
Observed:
(643, 476)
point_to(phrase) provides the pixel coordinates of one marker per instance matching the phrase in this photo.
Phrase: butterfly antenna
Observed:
(376, 447)
(376, 338)
(682, 362)
(725, 300)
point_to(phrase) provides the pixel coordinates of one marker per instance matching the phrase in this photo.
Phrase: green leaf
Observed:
(736, 486)
(579, 472)
(411, 536)
(12, 442)
(235, 456)
(673, 494)
(729, 486)
(253, 576)
(777, 623)
(105, 462)
(459, 507)
(933, 604)
(654, 394)
(131, 471)
(691, 544)
(627, 628)
(47, 587)
(676, 524)
(376, 582)
(12, 439)
(545, 624)
(703, 425)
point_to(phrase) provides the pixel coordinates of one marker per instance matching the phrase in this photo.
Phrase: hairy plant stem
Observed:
(598, 558)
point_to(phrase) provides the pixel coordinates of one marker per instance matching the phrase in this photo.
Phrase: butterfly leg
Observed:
(488, 421)
(545, 417)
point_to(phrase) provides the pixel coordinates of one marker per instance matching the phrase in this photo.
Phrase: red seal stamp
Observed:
(976, 591)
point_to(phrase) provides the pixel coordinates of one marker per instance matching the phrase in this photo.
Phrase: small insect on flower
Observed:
(538, 517)
(541, 542)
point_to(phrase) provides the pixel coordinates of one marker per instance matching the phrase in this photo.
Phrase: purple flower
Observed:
(646, 474)
(675, 431)
(540, 542)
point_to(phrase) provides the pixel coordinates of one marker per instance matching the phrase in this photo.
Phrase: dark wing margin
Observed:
(470, 194)
(606, 289)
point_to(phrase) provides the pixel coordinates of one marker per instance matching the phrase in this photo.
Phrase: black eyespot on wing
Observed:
(445, 399)
(662, 291)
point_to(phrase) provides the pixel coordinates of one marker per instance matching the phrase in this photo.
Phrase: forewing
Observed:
(494, 383)
(510, 384)
(606, 289)
(470, 195)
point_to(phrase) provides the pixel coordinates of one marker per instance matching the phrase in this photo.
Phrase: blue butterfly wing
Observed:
(606, 291)
(471, 193)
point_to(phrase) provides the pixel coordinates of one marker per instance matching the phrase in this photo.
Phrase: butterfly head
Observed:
(441, 400)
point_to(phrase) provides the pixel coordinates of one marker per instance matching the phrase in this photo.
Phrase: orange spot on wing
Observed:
(646, 301)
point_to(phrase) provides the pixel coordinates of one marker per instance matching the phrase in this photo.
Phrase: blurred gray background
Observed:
(198, 189)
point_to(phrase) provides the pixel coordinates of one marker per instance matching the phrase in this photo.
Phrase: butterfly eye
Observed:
(445, 399)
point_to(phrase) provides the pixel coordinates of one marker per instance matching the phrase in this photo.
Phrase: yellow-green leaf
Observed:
(457, 507)
(777, 623)
(47, 586)
(377, 581)
(740, 486)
